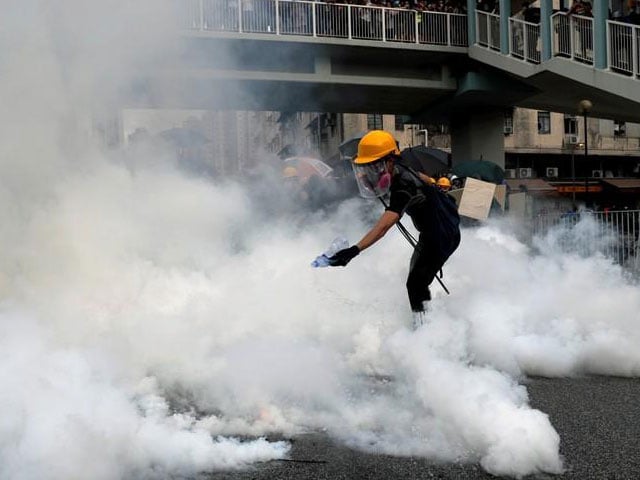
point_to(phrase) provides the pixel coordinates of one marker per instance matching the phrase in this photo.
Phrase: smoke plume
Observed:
(149, 319)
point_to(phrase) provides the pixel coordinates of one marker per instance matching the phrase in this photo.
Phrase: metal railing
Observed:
(623, 41)
(613, 234)
(524, 40)
(317, 19)
(488, 30)
(572, 37)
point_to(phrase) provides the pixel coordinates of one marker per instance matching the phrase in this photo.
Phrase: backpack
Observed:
(448, 219)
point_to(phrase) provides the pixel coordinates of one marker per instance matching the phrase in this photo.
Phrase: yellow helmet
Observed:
(375, 145)
(289, 172)
(444, 183)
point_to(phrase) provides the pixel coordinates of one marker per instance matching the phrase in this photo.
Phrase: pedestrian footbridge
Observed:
(301, 55)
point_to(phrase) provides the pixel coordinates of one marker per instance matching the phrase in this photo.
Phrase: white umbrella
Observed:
(307, 166)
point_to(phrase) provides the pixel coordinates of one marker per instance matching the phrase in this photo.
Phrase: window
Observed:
(619, 128)
(508, 123)
(400, 121)
(570, 125)
(374, 121)
(544, 123)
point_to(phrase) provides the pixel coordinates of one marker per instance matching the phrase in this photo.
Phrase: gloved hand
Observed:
(344, 256)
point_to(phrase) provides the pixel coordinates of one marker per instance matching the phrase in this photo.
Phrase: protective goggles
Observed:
(372, 178)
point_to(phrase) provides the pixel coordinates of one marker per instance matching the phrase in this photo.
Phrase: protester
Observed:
(380, 171)
(313, 191)
(581, 8)
(456, 182)
(444, 184)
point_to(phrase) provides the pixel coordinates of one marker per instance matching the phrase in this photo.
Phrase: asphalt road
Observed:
(598, 419)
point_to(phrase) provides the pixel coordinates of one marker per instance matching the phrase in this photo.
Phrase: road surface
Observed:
(598, 419)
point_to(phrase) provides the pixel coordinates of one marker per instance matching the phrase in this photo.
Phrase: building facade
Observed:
(552, 145)
(538, 144)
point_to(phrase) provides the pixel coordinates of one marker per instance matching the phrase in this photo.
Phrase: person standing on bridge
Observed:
(379, 172)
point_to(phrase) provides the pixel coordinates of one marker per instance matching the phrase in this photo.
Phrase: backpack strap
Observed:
(424, 185)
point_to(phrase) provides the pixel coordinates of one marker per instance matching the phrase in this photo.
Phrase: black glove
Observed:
(344, 256)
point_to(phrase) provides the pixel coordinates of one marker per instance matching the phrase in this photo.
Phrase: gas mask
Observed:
(372, 178)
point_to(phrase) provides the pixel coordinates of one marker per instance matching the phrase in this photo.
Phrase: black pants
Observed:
(426, 262)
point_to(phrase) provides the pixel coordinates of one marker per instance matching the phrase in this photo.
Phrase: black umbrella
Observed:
(349, 147)
(431, 161)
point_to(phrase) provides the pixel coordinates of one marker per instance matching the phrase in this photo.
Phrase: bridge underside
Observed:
(547, 91)
(263, 72)
(559, 84)
(558, 93)
(278, 95)
(254, 74)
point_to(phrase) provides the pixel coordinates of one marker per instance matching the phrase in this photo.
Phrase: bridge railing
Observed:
(572, 37)
(612, 234)
(623, 41)
(317, 19)
(488, 29)
(524, 40)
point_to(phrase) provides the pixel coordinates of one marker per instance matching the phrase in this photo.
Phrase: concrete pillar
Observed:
(471, 21)
(478, 135)
(600, 15)
(505, 14)
(546, 10)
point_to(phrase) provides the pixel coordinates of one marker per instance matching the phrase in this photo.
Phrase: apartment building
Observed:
(552, 145)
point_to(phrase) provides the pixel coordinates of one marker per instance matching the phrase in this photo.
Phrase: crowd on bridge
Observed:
(448, 6)
(630, 14)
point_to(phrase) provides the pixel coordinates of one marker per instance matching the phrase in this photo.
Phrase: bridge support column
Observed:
(600, 15)
(478, 135)
(546, 10)
(505, 14)
(471, 21)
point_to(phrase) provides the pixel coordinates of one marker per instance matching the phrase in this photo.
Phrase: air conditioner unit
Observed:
(552, 172)
(571, 139)
(525, 172)
(597, 173)
(510, 173)
(508, 129)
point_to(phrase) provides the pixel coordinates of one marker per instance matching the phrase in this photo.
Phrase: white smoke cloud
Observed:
(148, 318)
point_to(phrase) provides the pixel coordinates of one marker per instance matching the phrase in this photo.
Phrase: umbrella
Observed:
(349, 147)
(480, 169)
(431, 161)
(307, 167)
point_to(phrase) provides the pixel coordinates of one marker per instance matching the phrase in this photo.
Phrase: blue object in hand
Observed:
(339, 243)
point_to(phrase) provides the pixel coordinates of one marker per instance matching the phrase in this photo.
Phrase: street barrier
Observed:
(613, 234)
